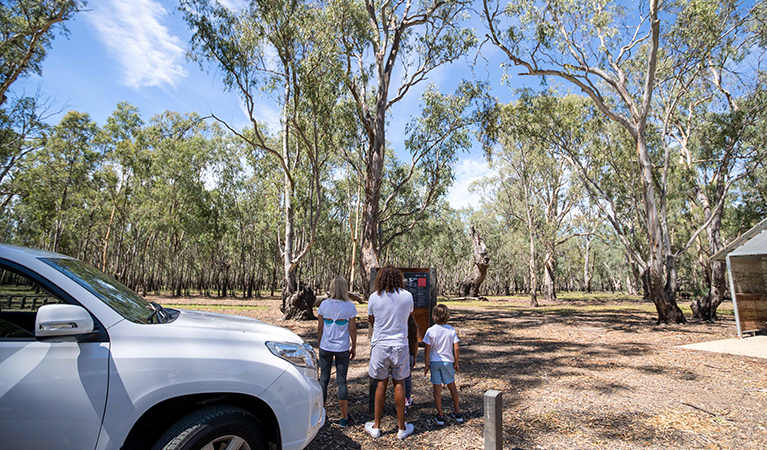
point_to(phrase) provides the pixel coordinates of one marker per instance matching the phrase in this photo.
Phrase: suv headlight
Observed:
(300, 355)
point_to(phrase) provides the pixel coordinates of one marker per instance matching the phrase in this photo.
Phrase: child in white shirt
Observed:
(442, 358)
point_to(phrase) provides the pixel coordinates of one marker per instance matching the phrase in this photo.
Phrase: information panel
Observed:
(418, 285)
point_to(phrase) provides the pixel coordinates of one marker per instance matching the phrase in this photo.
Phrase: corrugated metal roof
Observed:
(756, 246)
(759, 247)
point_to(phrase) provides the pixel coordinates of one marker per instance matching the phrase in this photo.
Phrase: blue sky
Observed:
(134, 51)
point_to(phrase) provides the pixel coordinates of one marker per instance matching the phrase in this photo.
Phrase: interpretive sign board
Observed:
(422, 284)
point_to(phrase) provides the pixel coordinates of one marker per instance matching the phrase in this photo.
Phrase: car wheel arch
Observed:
(159, 418)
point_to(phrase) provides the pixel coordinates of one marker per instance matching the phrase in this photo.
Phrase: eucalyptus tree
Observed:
(750, 204)
(219, 258)
(23, 130)
(594, 160)
(27, 28)
(506, 238)
(711, 96)
(381, 39)
(259, 220)
(56, 185)
(611, 54)
(127, 151)
(525, 126)
(516, 196)
(279, 47)
(333, 250)
(179, 212)
(588, 221)
(132, 249)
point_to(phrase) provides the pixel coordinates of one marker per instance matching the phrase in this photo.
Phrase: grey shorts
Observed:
(386, 360)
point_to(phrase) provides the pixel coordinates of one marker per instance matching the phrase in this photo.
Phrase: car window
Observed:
(110, 291)
(20, 298)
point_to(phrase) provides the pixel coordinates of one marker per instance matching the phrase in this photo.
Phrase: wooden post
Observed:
(493, 420)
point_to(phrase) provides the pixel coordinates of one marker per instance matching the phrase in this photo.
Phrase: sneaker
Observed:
(408, 401)
(457, 417)
(343, 423)
(440, 420)
(402, 434)
(375, 432)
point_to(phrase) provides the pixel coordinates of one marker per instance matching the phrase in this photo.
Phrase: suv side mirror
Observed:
(62, 320)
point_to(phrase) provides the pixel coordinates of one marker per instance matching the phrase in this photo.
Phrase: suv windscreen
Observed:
(121, 299)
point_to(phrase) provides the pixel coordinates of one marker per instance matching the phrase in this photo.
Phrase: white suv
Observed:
(86, 363)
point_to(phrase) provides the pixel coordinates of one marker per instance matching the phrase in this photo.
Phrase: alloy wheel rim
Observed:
(229, 442)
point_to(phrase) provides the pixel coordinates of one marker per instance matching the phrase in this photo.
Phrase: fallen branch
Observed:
(521, 410)
(699, 409)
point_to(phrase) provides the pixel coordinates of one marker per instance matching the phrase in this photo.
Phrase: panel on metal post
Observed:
(493, 420)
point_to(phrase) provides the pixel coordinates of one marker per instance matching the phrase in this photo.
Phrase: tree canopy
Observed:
(630, 152)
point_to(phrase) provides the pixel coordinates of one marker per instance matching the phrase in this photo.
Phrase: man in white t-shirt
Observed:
(388, 310)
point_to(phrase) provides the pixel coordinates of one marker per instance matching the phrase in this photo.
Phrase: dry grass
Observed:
(580, 373)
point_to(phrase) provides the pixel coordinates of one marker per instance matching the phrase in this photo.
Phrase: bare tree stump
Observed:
(299, 306)
(470, 285)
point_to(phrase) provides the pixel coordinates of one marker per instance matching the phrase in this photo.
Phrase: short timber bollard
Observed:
(493, 420)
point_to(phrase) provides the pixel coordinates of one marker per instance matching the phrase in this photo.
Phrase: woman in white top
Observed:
(335, 329)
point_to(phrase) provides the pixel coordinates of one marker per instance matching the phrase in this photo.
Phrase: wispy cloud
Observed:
(467, 171)
(147, 52)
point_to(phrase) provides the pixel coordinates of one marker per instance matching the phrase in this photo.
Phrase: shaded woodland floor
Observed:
(578, 373)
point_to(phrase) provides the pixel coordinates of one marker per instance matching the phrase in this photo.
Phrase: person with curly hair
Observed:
(388, 310)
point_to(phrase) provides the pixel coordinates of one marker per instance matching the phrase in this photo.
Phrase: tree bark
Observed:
(633, 277)
(288, 267)
(587, 274)
(549, 270)
(635, 124)
(354, 227)
(389, 27)
(705, 307)
(369, 235)
(666, 306)
(470, 285)
(300, 305)
(532, 270)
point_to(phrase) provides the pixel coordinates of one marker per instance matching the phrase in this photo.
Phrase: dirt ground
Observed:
(575, 374)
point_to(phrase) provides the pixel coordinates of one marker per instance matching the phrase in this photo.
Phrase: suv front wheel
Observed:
(214, 428)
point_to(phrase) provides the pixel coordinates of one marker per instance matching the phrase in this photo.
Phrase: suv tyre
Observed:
(214, 428)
